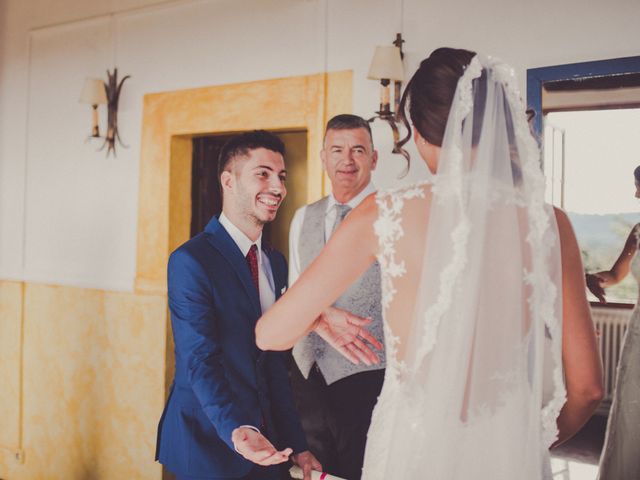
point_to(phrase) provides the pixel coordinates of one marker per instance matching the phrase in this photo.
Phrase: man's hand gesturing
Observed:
(254, 446)
(348, 334)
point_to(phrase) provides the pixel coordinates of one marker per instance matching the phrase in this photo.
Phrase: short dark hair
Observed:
(636, 173)
(347, 121)
(240, 145)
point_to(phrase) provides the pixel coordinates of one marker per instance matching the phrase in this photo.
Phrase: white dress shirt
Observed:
(329, 219)
(265, 275)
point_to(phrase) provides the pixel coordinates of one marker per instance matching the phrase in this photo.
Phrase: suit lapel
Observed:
(222, 241)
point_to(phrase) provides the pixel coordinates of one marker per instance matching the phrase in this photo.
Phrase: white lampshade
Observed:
(387, 64)
(93, 92)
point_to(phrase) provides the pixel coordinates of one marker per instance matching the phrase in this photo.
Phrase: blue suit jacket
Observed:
(222, 379)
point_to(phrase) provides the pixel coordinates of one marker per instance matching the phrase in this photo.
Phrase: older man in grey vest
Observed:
(335, 397)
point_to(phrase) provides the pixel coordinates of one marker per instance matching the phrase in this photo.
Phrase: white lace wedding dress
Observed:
(411, 435)
(620, 458)
(471, 292)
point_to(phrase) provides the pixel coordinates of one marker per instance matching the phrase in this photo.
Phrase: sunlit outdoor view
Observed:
(589, 161)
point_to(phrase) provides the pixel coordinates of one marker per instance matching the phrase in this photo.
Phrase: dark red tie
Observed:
(252, 260)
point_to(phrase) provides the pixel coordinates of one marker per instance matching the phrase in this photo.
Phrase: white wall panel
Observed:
(219, 42)
(13, 108)
(79, 210)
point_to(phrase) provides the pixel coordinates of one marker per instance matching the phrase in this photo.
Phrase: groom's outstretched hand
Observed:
(255, 447)
(347, 333)
(307, 462)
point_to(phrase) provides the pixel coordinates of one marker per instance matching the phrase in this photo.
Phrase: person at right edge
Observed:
(620, 457)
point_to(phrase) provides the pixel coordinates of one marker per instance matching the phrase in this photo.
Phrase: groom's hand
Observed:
(254, 446)
(307, 462)
(347, 333)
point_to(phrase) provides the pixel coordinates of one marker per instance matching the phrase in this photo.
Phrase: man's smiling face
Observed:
(348, 158)
(259, 185)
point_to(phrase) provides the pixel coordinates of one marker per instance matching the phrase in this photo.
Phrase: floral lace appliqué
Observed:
(388, 229)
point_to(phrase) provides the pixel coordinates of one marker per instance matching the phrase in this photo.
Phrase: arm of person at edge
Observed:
(196, 337)
(343, 330)
(597, 282)
(347, 255)
(580, 358)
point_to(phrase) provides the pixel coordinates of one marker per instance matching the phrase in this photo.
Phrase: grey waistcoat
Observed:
(362, 298)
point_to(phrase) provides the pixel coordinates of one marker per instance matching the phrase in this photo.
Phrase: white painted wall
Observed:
(68, 215)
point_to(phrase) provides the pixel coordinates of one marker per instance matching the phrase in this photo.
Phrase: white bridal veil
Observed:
(488, 302)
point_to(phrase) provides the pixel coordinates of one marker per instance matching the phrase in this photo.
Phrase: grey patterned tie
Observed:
(341, 212)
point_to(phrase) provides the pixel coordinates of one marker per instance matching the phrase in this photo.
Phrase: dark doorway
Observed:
(205, 186)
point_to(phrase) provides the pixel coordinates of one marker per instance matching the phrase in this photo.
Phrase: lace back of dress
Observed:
(479, 305)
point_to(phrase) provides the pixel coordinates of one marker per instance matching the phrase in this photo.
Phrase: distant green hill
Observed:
(594, 230)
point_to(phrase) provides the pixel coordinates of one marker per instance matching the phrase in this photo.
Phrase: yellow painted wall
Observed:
(10, 398)
(93, 378)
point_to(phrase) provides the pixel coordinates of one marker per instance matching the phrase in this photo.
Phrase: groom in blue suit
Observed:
(230, 412)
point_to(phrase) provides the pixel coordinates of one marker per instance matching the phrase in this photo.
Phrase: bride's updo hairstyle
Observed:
(430, 91)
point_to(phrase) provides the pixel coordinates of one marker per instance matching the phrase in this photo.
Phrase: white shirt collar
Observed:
(355, 201)
(242, 241)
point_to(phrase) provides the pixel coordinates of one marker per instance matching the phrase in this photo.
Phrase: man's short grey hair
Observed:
(347, 121)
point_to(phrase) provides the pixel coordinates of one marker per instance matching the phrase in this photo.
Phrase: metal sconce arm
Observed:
(113, 89)
(385, 113)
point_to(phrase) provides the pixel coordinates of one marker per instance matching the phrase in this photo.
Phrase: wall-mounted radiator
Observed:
(611, 325)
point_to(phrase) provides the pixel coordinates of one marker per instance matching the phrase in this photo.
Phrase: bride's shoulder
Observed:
(404, 192)
(393, 205)
(564, 226)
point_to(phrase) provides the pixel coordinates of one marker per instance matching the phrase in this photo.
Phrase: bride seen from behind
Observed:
(479, 277)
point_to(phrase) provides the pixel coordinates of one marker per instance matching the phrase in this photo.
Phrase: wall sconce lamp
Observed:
(97, 92)
(387, 66)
